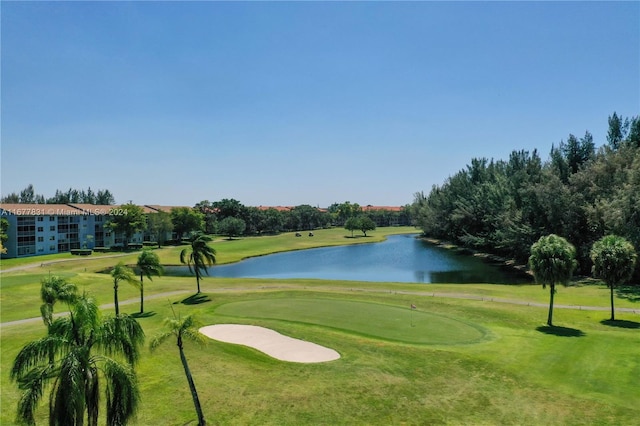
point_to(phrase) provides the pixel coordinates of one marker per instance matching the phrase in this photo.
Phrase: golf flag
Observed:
(413, 306)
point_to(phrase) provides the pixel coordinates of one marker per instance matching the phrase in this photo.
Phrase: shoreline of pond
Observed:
(492, 259)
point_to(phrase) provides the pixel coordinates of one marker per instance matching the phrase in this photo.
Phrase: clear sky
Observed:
(288, 103)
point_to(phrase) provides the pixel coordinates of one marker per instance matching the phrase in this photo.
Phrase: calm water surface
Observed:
(401, 258)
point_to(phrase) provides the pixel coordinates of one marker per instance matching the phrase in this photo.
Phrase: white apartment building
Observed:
(38, 229)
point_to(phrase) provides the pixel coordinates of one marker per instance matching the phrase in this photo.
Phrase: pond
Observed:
(401, 258)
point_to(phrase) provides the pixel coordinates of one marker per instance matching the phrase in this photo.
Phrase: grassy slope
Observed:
(518, 375)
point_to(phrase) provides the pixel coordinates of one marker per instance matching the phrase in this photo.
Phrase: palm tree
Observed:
(121, 272)
(199, 257)
(614, 260)
(183, 328)
(148, 265)
(55, 289)
(552, 262)
(84, 345)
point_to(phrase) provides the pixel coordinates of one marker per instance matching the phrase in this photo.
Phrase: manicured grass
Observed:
(374, 320)
(509, 369)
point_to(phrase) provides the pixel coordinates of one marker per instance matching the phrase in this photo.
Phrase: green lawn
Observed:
(450, 361)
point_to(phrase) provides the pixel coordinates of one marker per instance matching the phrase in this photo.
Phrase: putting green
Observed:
(375, 320)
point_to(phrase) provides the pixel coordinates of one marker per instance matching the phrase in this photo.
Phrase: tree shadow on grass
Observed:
(143, 314)
(620, 323)
(629, 292)
(560, 331)
(195, 299)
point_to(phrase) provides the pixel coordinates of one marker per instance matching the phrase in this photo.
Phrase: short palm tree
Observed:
(614, 259)
(181, 329)
(552, 262)
(148, 264)
(84, 345)
(55, 289)
(121, 272)
(199, 256)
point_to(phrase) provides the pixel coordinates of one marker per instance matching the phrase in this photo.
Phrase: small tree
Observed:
(366, 224)
(128, 220)
(199, 256)
(614, 260)
(186, 220)
(351, 224)
(181, 329)
(159, 225)
(148, 264)
(121, 272)
(552, 262)
(231, 227)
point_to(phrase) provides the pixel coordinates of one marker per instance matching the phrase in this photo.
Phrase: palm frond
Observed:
(32, 384)
(34, 355)
(122, 392)
(121, 335)
(160, 339)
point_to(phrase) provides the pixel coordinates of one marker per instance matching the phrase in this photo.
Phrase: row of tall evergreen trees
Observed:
(579, 192)
(29, 196)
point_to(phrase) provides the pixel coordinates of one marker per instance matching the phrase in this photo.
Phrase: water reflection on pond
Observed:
(401, 258)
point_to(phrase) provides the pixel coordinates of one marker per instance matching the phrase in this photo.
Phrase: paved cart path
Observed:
(354, 289)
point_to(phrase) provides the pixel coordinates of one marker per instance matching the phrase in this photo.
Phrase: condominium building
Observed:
(38, 229)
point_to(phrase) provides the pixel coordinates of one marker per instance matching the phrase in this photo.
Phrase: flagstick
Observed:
(412, 309)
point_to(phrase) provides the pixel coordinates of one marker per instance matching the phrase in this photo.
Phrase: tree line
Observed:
(88, 196)
(579, 192)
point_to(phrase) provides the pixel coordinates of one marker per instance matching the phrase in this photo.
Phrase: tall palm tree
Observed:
(181, 329)
(84, 345)
(552, 262)
(121, 272)
(614, 259)
(199, 256)
(148, 265)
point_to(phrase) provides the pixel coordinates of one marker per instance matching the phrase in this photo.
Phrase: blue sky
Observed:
(288, 103)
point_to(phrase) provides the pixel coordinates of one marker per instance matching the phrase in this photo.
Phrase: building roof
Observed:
(384, 208)
(39, 209)
(279, 208)
(166, 209)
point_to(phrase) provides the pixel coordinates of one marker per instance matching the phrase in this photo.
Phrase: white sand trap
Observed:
(270, 342)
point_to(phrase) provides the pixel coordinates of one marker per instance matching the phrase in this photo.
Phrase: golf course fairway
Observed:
(380, 321)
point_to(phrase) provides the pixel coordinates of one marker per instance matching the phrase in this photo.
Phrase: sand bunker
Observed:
(270, 342)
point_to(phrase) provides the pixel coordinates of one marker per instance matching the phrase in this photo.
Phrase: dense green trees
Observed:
(74, 196)
(186, 220)
(87, 351)
(199, 256)
(552, 262)
(127, 220)
(613, 261)
(158, 226)
(504, 206)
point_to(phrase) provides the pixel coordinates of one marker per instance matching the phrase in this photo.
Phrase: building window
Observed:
(51, 218)
(52, 248)
(40, 228)
(52, 228)
(40, 239)
(40, 218)
(52, 238)
(40, 249)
